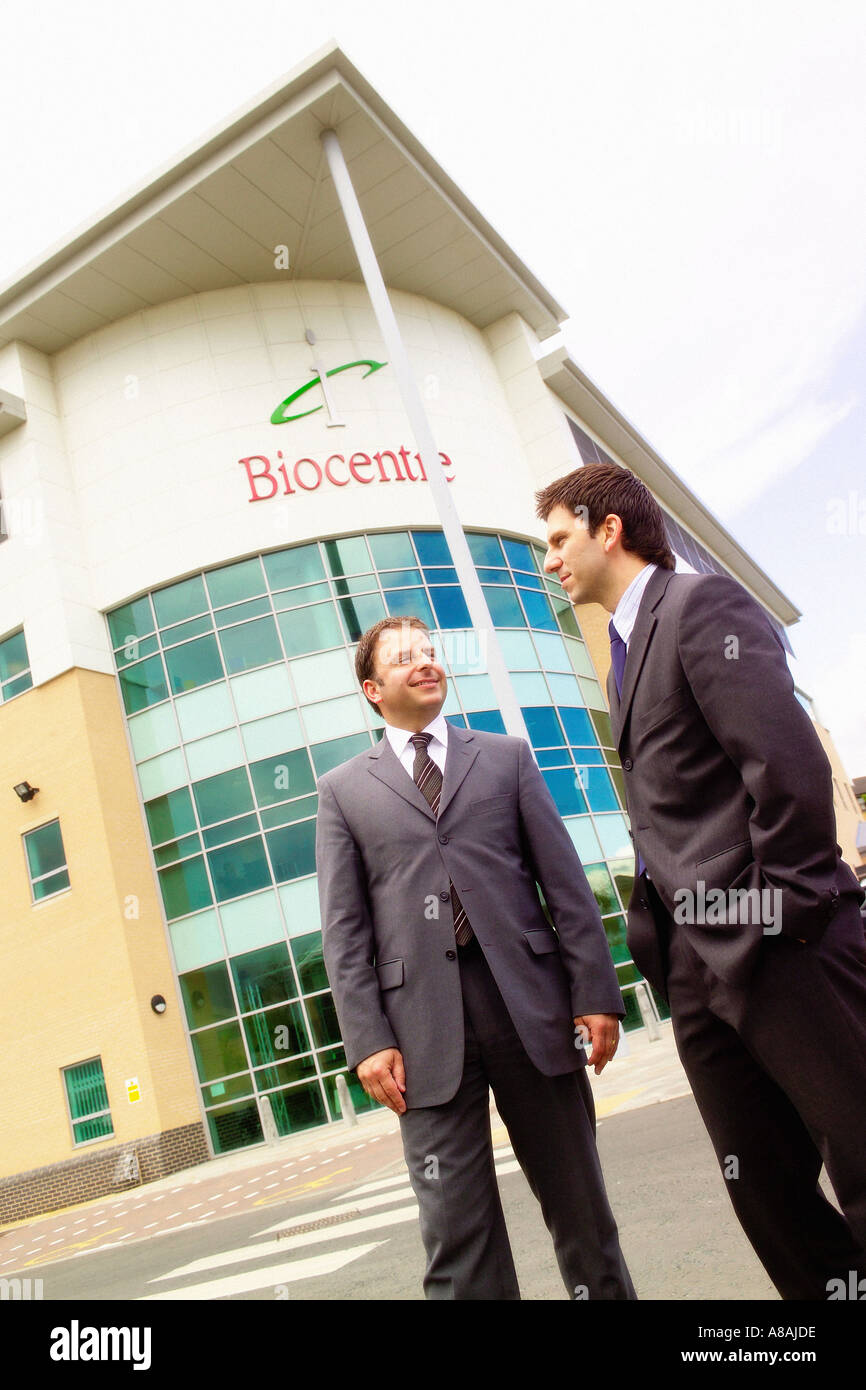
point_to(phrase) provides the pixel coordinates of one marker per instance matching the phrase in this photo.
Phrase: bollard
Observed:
(647, 1012)
(346, 1106)
(269, 1124)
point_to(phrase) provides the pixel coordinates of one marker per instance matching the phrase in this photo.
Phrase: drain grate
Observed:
(319, 1225)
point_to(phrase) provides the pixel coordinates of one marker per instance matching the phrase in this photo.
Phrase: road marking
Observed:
(289, 1272)
(245, 1253)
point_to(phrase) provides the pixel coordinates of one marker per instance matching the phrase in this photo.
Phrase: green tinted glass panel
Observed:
(264, 977)
(349, 556)
(632, 1018)
(240, 612)
(565, 616)
(185, 888)
(298, 1108)
(231, 830)
(182, 632)
(323, 1019)
(15, 687)
(309, 963)
(45, 849)
(396, 579)
(100, 1127)
(184, 600)
(220, 1091)
(143, 684)
(235, 1127)
(54, 883)
(195, 663)
(250, 645)
(135, 649)
(310, 629)
(290, 811)
(615, 929)
(285, 1072)
(602, 886)
(296, 598)
(337, 750)
(293, 850)
(601, 722)
(361, 584)
(300, 565)
(277, 1034)
(221, 797)
(219, 1051)
(177, 849)
(170, 816)
(235, 582)
(287, 775)
(392, 549)
(85, 1089)
(238, 869)
(332, 1059)
(132, 620)
(361, 613)
(207, 995)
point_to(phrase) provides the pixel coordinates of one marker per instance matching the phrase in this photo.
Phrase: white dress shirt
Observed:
(400, 741)
(625, 613)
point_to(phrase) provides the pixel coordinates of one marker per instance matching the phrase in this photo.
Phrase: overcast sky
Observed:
(685, 176)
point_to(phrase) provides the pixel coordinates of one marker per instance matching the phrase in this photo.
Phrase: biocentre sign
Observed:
(266, 480)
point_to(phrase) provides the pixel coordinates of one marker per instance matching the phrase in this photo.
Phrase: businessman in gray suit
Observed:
(449, 979)
(743, 913)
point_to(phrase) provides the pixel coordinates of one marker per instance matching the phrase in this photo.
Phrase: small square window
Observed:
(87, 1101)
(46, 861)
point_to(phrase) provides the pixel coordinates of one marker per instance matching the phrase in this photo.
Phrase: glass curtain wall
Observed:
(239, 691)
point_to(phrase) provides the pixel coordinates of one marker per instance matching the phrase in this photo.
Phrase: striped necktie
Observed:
(428, 780)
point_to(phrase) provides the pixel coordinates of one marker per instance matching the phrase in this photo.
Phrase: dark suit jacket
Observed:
(384, 863)
(726, 780)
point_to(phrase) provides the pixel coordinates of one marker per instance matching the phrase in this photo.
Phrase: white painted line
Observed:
(149, 1225)
(173, 1215)
(289, 1272)
(58, 1241)
(245, 1253)
(312, 1168)
(103, 1222)
(229, 1204)
(236, 1188)
(324, 1161)
(269, 1185)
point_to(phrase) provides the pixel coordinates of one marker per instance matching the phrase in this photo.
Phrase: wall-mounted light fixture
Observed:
(158, 1004)
(25, 791)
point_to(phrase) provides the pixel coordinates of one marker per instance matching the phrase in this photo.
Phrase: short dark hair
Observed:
(599, 489)
(365, 656)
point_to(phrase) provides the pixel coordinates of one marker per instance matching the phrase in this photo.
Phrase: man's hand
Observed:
(602, 1030)
(383, 1077)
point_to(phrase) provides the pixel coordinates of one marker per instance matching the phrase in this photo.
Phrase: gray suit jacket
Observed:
(726, 780)
(384, 863)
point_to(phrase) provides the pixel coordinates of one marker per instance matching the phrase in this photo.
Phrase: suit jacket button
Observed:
(627, 764)
(834, 892)
(444, 896)
(642, 902)
(450, 955)
(443, 839)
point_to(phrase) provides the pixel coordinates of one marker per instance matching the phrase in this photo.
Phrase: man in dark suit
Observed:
(743, 913)
(449, 979)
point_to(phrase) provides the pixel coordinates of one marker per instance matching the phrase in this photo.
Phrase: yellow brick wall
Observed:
(80, 969)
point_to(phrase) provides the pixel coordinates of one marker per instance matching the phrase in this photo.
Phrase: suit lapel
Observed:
(638, 646)
(384, 764)
(462, 752)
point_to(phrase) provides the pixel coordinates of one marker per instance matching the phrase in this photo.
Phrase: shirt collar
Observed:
(625, 613)
(399, 738)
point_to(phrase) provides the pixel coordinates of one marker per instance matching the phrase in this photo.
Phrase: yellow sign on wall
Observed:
(133, 1091)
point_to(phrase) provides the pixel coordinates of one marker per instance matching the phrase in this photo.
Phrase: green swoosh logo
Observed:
(280, 417)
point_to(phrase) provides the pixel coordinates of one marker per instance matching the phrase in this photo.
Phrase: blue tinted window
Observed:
(450, 605)
(504, 608)
(485, 550)
(538, 610)
(457, 719)
(578, 727)
(293, 850)
(239, 868)
(543, 727)
(519, 555)
(410, 603)
(432, 548)
(565, 791)
(489, 719)
(599, 789)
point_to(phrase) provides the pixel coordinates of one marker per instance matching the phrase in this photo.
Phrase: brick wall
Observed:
(102, 1172)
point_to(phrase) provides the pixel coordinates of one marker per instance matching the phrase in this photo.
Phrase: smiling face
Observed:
(410, 685)
(579, 561)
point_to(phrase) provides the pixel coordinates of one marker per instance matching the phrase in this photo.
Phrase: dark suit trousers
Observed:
(778, 1071)
(551, 1124)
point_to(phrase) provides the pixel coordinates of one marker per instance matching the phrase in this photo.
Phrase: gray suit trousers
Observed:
(551, 1124)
